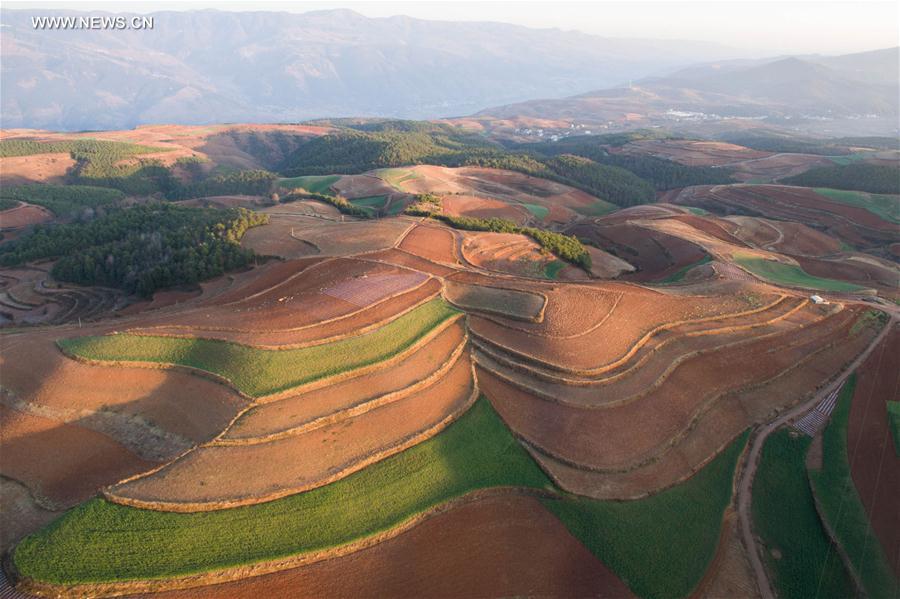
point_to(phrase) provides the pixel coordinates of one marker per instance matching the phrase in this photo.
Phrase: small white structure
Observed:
(818, 299)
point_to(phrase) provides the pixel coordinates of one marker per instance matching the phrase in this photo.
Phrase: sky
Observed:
(764, 27)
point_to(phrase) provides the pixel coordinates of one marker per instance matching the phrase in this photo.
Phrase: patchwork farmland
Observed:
(448, 365)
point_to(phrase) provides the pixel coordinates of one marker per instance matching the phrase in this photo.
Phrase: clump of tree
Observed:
(566, 247)
(142, 248)
(65, 201)
(424, 204)
(96, 149)
(857, 176)
(247, 182)
(343, 205)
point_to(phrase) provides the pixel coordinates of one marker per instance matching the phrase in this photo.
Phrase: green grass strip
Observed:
(893, 412)
(101, 541)
(370, 201)
(661, 545)
(539, 212)
(551, 271)
(313, 183)
(598, 208)
(259, 372)
(843, 509)
(886, 207)
(679, 274)
(793, 276)
(784, 515)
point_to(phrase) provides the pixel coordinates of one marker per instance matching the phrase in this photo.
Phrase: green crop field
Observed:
(598, 208)
(259, 372)
(538, 211)
(376, 202)
(843, 509)
(551, 271)
(661, 545)
(884, 206)
(849, 158)
(102, 541)
(798, 550)
(396, 176)
(793, 276)
(313, 183)
(893, 412)
(697, 211)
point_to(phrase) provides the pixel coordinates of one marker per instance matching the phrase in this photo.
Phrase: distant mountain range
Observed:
(212, 66)
(788, 91)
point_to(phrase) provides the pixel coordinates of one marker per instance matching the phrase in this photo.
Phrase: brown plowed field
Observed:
(362, 186)
(512, 303)
(783, 236)
(727, 418)
(608, 438)
(874, 464)
(24, 215)
(467, 205)
(407, 260)
(432, 243)
(20, 515)
(216, 475)
(600, 347)
(653, 363)
(322, 291)
(853, 224)
(692, 153)
(777, 166)
(41, 168)
(353, 323)
(517, 548)
(655, 254)
(861, 272)
(508, 253)
(299, 410)
(716, 227)
(35, 371)
(63, 463)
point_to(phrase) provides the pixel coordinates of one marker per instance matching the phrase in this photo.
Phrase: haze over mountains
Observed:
(263, 66)
(213, 67)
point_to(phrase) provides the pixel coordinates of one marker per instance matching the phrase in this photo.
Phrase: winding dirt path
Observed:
(746, 483)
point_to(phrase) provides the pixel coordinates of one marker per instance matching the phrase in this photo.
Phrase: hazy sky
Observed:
(767, 27)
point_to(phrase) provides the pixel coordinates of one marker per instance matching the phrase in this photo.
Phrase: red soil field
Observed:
(24, 215)
(509, 253)
(317, 405)
(607, 438)
(222, 475)
(719, 228)
(874, 464)
(866, 272)
(784, 237)
(321, 291)
(518, 547)
(431, 243)
(693, 153)
(36, 372)
(44, 168)
(63, 463)
(407, 260)
(363, 186)
(778, 166)
(600, 347)
(467, 205)
(655, 254)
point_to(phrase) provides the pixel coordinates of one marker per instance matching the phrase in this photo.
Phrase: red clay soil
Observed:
(63, 463)
(298, 410)
(42, 168)
(509, 253)
(716, 428)
(855, 271)
(635, 315)
(477, 207)
(778, 166)
(609, 438)
(362, 186)
(874, 464)
(502, 546)
(693, 153)
(35, 371)
(326, 290)
(655, 254)
(410, 261)
(24, 215)
(716, 227)
(432, 243)
(219, 475)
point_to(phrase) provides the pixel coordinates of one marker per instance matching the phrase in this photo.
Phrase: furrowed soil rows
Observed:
(521, 550)
(520, 305)
(607, 439)
(24, 215)
(476, 207)
(63, 463)
(321, 405)
(219, 476)
(874, 464)
(432, 243)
